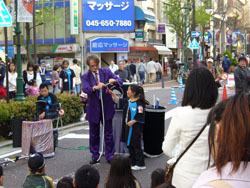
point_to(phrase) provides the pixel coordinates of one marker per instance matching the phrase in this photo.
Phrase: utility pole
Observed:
(214, 46)
(19, 95)
(6, 59)
(185, 37)
(193, 29)
(34, 31)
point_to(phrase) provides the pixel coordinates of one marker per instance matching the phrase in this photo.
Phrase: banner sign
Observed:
(65, 48)
(248, 38)
(107, 15)
(74, 17)
(162, 28)
(107, 45)
(139, 35)
(25, 10)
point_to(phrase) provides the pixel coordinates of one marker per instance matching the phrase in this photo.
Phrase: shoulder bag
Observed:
(170, 168)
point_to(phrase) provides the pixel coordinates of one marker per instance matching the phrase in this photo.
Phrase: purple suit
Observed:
(94, 113)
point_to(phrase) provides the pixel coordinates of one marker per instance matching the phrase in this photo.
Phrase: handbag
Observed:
(170, 168)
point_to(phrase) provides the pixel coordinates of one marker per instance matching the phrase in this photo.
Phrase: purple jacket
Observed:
(93, 104)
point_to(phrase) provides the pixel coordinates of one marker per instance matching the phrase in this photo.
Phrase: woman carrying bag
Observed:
(200, 96)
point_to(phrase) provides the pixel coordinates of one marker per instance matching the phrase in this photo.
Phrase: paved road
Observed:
(68, 160)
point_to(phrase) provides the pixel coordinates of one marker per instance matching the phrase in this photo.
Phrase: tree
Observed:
(44, 15)
(175, 14)
(202, 19)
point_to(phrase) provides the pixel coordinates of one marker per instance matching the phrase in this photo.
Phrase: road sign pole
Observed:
(185, 36)
(19, 95)
(245, 41)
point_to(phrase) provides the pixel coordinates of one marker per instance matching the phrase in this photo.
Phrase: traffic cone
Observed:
(173, 97)
(181, 85)
(224, 95)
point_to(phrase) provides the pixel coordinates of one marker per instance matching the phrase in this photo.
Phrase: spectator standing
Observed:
(120, 174)
(37, 177)
(214, 71)
(174, 70)
(200, 95)
(43, 72)
(67, 78)
(32, 90)
(113, 67)
(86, 177)
(226, 63)
(65, 182)
(77, 70)
(157, 177)
(151, 69)
(242, 77)
(2, 72)
(94, 82)
(127, 68)
(142, 70)
(229, 138)
(48, 108)
(121, 72)
(38, 75)
(178, 62)
(158, 71)
(132, 67)
(55, 79)
(28, 75)
(12, 76)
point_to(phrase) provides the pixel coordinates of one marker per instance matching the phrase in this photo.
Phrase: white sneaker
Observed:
(135, 167)
(142, 167)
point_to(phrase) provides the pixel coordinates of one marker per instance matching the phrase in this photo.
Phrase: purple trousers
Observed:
(94, 140)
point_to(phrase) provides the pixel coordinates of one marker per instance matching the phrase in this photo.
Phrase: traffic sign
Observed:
(229, 32)
(238, 32)
(229, 40)
(224, 76)
(194, 45)
(5, 17)
(196, 34)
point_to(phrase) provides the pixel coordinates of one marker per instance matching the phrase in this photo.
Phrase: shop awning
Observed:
(163, 50)
(144, 15)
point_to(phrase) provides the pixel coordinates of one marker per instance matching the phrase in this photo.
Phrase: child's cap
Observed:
(36, 162)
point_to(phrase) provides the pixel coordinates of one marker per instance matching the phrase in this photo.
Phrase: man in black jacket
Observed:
(242, 77)
(47, 104)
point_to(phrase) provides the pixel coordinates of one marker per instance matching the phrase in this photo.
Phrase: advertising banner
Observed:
(106, 15)
(25, 10)
(162, 28)
(139, 35)
(74, 17)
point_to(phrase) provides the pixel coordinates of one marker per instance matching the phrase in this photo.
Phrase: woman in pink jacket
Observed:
(229, 143)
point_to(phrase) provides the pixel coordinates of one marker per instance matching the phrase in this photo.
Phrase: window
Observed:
(59, 24)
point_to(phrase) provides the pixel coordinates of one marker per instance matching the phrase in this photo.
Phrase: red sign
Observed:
(229, 32)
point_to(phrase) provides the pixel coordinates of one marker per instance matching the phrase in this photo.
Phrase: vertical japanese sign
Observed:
(162, 28)
(108, 15)
(74, 17)
(25, 10)
(139, 35)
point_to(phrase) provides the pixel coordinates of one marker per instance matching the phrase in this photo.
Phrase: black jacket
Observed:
(242, 79)
(25, 77)
(132, 69)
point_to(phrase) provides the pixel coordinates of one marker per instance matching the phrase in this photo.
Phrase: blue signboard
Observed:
(108, 45)
(10, 51)
(108, 15)
(195, 33)
(5, 17)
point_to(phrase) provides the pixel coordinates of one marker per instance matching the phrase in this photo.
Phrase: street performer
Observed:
(94, 82)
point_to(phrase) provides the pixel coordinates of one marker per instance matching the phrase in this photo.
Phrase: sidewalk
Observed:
(6, 148)
(158, 85)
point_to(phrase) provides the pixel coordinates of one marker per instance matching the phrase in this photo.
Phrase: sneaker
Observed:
(135, 167)
(142, 167)
(94, 161)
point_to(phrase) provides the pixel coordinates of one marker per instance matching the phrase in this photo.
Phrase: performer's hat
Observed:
(36, 162)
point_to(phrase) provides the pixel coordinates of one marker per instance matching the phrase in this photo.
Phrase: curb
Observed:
(69, 126)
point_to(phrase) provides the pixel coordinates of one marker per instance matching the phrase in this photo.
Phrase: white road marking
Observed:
(11, 153)
(75, 136)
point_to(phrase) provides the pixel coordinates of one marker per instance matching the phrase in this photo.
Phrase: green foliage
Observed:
(71, 105)
(201, 16)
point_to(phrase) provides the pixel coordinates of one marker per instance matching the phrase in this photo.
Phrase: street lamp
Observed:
(19, 95)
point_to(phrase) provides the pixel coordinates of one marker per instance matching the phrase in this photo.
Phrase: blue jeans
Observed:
(142, 76)
(77, 88)
(158, 76)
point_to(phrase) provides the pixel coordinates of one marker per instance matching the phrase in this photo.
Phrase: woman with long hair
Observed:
(29, 74)
(200, 96)
(120, 174)
(229, 143)
(12, 76)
